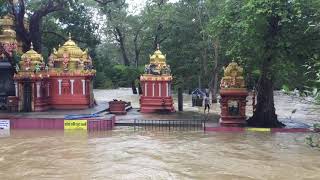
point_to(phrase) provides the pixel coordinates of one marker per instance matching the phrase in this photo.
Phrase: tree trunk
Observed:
(121, 39)
(265, 113)
(35, 34)
(136, 50)
(133, 86)
(214, 81)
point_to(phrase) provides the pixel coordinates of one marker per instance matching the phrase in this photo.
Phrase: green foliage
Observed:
(313, 141)
(285, 88)
(187, 32)
(242, 27)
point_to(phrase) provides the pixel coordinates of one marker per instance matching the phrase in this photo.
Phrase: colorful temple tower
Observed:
(71, 76)
(156, 85)
(233, 96)
(65, 83)
(32, 80)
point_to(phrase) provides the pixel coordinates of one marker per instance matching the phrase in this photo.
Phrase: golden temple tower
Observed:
(8, 34)
(70, 58)
(156, 83)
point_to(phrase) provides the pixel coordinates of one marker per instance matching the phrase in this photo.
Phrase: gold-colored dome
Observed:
(31, 60)
(157, 65)
(158, 57)
(233, 76)
(72, 50)
(32, 55)
(70, 58)
(8, 34)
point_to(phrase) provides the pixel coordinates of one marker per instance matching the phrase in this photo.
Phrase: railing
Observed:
(166, 124)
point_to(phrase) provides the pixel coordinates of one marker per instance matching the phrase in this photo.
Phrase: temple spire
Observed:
(69, 35)
(31, 46)
(158, 46)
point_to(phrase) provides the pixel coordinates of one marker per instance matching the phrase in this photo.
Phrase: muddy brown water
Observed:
(153, 154)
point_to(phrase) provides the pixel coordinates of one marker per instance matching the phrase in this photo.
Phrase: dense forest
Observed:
(276, 41)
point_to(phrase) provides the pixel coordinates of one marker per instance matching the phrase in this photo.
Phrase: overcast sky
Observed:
(135, 6)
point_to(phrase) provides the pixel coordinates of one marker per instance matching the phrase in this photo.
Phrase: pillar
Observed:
(38, 85)
(152, 89)
(16, 89)
(146, 89)
(83, 87)
(160, 89)
(48, 89)
(59, 81)
(71, 82)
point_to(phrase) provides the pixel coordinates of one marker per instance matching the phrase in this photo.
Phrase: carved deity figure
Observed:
(27, 63)
(65, 61)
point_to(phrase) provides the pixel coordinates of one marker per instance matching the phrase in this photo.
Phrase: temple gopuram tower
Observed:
(71, 76)
(156, 85)
(32, 81)
(233, 96)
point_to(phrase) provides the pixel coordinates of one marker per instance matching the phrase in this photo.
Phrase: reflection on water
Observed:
(128, 154)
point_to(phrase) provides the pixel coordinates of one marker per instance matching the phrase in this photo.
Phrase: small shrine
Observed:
(233, 96)
(156, 85)
(32, 83)
(71, 74)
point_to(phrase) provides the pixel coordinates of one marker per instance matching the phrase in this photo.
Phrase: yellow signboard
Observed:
(75, 124)
(259, 129)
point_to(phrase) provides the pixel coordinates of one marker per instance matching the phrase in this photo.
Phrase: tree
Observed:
(263, 33)
(33, 34)
(35, 14)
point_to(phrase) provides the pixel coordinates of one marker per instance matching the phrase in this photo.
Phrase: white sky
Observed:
(135, 6)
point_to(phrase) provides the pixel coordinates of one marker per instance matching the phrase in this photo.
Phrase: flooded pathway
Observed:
(305, 111)
(128, 154)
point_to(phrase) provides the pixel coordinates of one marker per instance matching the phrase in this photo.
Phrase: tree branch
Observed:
(104, 2)
(63, 37)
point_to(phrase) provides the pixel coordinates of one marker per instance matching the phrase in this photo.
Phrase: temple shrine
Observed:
(156, 85)
(71, 74)
(64, 83)
(31, 83)
(233, 96)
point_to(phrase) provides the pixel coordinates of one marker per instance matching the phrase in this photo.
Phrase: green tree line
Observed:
(276, 41)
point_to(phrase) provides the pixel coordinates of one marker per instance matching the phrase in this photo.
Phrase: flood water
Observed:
(156, 154)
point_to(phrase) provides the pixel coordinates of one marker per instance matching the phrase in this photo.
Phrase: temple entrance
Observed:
(27, 96)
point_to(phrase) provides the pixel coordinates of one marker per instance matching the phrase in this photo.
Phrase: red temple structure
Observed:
(233, 96)
(71, 76)
(31, 83)
(65, 83)
(156, 85)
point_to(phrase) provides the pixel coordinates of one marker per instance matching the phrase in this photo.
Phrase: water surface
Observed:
(128, 154)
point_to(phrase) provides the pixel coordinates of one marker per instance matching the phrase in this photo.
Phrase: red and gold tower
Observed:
(156, 85)
(71, 76)
(233, 96)
(32, 80)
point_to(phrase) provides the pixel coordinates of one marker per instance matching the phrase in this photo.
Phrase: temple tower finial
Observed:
(69, 35)
(158, 46)
(31, 46)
